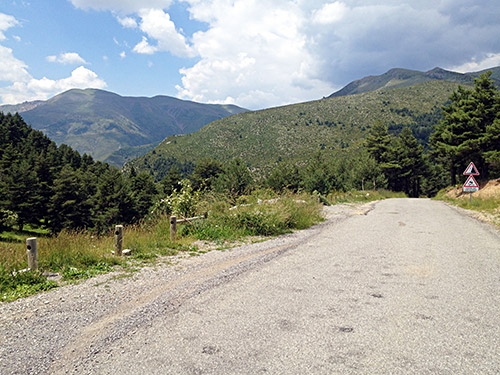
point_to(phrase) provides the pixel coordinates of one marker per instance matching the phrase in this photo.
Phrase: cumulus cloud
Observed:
(253, 54)
(144, 47)
(12, 69)
(157, 25)
(31, 88)
(265, 53)
(21, 86)
(67, 58)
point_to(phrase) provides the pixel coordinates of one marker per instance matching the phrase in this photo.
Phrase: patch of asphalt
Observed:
(54, 332)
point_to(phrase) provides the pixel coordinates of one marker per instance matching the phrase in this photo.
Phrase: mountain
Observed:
(395, 78)
(335, 126)
(99, 122)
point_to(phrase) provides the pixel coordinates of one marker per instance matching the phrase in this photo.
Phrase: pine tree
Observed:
(205, 174)
(468, 131)
(410, 159)
(69, 204)
(144, 193)
(171, 181)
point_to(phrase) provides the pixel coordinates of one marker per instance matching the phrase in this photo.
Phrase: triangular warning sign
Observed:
(471, 182)
(471, 170)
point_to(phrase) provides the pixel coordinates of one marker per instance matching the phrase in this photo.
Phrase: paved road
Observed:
(402, 286)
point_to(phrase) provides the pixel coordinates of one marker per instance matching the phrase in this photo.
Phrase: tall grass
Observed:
(272, 217)
(77, 255)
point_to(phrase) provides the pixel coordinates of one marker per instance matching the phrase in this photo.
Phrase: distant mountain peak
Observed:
(99, 122)
(398, 77)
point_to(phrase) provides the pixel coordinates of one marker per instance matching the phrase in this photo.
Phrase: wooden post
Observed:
(173, 228)
(118, 240)
(32, 252)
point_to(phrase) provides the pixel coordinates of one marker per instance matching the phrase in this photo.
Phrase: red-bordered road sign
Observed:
(471, 170)
(471, 185)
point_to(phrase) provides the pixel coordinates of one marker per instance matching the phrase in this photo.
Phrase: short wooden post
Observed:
(118, 240)
(173, 228)
(32, 252)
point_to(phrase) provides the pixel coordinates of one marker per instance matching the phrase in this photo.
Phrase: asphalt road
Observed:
(401, 286)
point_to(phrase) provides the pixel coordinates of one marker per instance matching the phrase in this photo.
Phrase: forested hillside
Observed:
(43, 184)
(335, 127)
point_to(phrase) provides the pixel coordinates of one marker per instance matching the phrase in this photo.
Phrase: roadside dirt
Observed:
(488, 190)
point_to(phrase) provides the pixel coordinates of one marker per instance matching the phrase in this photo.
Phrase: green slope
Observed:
(336, 126)
(395, 78)
(98, 122)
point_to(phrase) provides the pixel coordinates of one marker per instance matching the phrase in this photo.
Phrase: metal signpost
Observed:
(471, 184)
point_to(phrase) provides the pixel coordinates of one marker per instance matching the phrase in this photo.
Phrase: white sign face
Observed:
(471, 185)
(471, 170)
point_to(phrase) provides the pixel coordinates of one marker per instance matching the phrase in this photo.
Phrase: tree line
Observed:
(42, 184)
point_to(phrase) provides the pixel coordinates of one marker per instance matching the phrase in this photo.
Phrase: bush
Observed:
(269, 218)
(182, 202)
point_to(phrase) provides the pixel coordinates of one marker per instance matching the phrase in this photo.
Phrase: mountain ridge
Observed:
(99, 122)
(334, 126)
(398, 77)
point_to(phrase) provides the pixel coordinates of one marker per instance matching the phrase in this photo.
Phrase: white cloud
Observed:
(22, 86)
(127, 22)
(123, 54)
(491, 60)
(254, 54)
(330, 13)
(122, 6)
(32, 89)
(265, 53)
(12, 69)
(156, 24)
(6, 22)
(67, 58)
(144, 47)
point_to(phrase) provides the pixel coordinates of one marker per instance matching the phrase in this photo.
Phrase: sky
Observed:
(252, 53)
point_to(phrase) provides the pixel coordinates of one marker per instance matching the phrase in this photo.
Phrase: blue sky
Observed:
(252, 53)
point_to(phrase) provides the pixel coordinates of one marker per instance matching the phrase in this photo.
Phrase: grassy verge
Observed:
(490, 206)
(80, 255)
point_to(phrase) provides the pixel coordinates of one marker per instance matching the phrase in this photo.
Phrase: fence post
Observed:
(173, 228)
(118, 240)
(32, 252)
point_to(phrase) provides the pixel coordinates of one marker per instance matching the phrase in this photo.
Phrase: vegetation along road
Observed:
(401, 286)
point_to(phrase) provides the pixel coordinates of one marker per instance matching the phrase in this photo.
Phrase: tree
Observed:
(113, 202)
(235, 179)
(205, 174)
(318, 175)
(378, 142)
(69, 205)
(410, 159)
(284, 176)
(171, 181)
(144, 193)
(468, 129)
